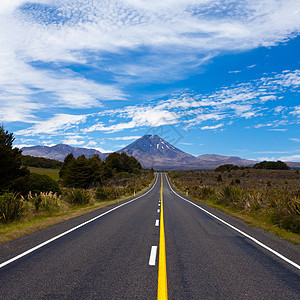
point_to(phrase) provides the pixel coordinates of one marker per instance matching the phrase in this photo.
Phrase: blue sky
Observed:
(210, 77)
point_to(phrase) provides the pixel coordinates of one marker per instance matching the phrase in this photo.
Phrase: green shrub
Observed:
(231, 195)
(11, 207)
(272, 165)
(80, 197)
(288, 222)
(102, 194)
(45, 201)
(235, 181)
(36, 184)
(176, 176)
(206, 192)
(219, 178)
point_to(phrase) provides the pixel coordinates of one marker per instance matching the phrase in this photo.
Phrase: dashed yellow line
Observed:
(162, 289)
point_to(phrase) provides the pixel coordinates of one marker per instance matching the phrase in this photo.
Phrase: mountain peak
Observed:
(153, 150)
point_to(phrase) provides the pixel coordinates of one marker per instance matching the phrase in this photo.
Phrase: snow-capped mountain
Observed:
(153, 151)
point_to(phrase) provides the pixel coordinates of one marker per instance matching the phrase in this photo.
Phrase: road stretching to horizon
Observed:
(117, 252)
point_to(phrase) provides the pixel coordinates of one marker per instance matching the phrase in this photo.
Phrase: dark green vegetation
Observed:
(35, 183)
(82, 181)
(82, 172)
(229, 167)
(40, 162)
(271, 165)
(10, 161)
(272, 196)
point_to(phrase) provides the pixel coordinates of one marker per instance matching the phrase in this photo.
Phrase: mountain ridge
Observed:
(152, 152)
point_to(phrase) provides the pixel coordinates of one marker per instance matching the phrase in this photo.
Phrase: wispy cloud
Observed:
(244, 100)
(212, 127)
(290, 158)
(124, 138)
(140, 116)
(56, 125)
(295, 140)
(40, 39)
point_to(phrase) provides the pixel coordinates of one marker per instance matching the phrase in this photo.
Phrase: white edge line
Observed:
(238, 230)
(72, 229)
(152, 258)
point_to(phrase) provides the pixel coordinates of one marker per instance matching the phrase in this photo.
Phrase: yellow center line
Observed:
(162, 289)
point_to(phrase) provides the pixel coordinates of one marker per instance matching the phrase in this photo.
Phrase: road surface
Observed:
(117, 255)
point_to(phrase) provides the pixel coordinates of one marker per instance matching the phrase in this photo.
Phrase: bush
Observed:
(231, 195)
(102, 194)
(45, 201)
(206, 192)
(176, 176)
(11, 207)
(80, 197)
(36, 184)
(226, 167)
(271, 165)
(219, 178)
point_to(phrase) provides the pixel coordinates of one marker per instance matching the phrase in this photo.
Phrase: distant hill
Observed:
(59, 152)
(152, 152)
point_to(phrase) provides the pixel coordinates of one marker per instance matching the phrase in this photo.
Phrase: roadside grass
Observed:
(53, 173)
(35, 221)
(248, 202)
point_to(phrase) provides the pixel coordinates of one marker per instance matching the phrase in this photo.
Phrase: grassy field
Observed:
(53, 173)
(269, 199)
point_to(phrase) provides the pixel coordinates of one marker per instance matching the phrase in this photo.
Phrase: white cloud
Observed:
(91, 144)
(140, 116)
(58, 123)
(233, 72)
(124, 138)
(296, 111)
(187, 144)
(278, 129)
(295, 140)
(212, 127)
(267, 98)
(73, 142)
(243, 100)
(102, 150)
(279, 109)
(290, 158)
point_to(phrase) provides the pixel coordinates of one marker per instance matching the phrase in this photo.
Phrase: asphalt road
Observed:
(108, 258)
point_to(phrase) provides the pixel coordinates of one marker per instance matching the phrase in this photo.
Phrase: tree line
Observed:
(267, 165)
(80, 172)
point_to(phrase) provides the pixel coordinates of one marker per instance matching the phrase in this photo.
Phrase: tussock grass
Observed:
(267, 198)
(46, 209)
